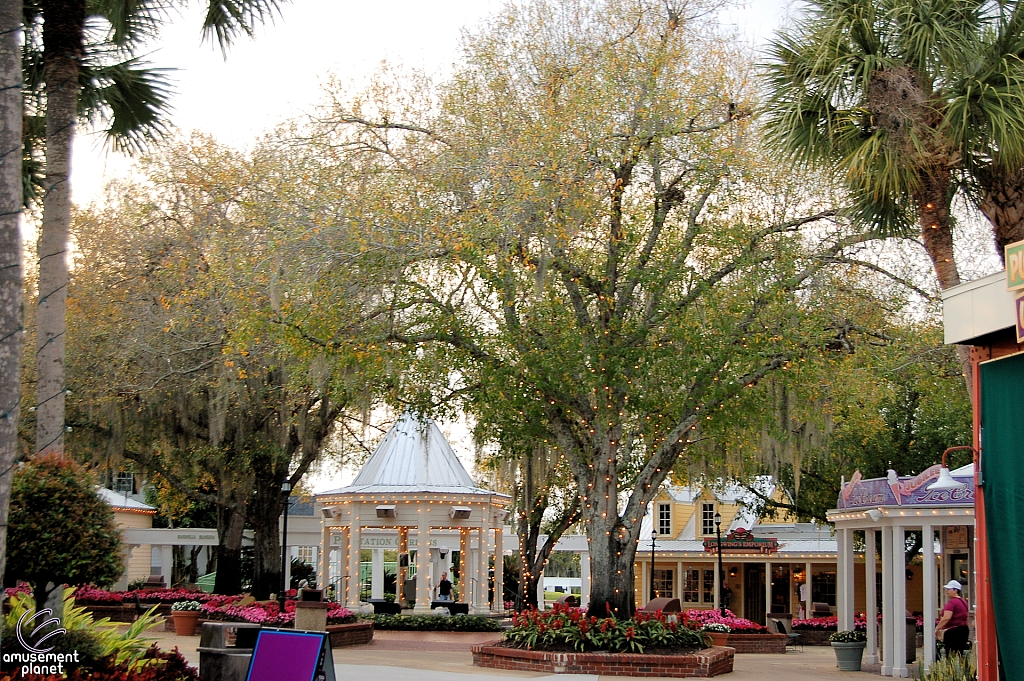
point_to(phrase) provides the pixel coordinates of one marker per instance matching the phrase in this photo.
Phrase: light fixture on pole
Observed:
(946, 481)
(286, 490)
(654, 535)
(721, 571)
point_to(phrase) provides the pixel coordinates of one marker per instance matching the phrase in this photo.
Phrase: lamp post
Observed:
(286, 490)
(654, 535)
(721, 571)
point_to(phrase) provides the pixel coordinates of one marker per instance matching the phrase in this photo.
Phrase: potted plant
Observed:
(185, 614)
(849, 648)
(718, 632)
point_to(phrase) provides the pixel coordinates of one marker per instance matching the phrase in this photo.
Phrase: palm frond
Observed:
(129, 99)
(226, 19)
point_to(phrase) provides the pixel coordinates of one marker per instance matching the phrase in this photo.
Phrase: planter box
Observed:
(758, 643)
(702, 663)
(119, 612)
(356, 633)
(814, 637)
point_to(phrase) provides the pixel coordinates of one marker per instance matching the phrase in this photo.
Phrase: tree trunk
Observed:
(1002, 202)
(11, 282)
(937, 236)
(612, 551)
(230, 526)
(264, 514)
(63, 25)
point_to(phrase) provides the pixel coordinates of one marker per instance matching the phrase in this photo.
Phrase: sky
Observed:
(278, 75)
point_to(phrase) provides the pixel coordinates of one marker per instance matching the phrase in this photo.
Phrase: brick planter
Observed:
(758, 643)
(814, 637)
(122, 612)
(356, 633)
(702, 663)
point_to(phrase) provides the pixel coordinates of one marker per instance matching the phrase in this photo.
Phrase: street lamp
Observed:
(286, 490)
(721, 572)
(654, 535)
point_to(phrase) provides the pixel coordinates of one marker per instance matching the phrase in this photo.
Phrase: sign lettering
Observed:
(1015, 266)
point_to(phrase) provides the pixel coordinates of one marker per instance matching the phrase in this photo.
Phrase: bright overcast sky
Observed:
(279, 74)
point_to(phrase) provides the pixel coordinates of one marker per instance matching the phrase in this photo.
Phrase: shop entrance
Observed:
(780, 589)
(753, 592)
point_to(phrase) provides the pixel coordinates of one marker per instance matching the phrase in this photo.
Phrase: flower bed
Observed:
(698, 663)
(830, 623)
(270, 614)
(433, 623)
(90, 595)
(565, 628)
(737, 625)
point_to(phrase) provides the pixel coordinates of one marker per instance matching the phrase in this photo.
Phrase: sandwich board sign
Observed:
(289, 655)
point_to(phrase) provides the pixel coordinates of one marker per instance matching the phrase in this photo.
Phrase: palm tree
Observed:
(120, 92)
(10, 254)
(905, 100)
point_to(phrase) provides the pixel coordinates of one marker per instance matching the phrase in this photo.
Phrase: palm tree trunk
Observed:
(1002, 202)
(937, 237)
(10, 254)
(63, 24)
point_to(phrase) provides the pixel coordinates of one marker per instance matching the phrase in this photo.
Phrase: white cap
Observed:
(953, 584)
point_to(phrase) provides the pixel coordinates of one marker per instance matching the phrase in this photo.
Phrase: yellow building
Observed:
(681, 528)
(130, 513)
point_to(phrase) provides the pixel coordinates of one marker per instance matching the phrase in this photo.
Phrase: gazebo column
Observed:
(377, 575)
(464, 574)
(354, 562)
(844, 580)
(899, 603)
(887, 605)
(480, 586)
(584, 578)
(929, 594)
(870, 598)
(325, 560)
(499, 570)
(423, 564)
(403, 572)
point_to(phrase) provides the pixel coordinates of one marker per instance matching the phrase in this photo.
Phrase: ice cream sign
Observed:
(894, 490)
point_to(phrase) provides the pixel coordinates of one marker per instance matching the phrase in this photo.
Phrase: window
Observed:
(305, 554)
(664, 518)
(709, 586)
(124, 482)
(707, 518)
(823, 588)
(663, 583)
(691, 585)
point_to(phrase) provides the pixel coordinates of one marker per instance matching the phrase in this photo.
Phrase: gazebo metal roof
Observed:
(414, 457)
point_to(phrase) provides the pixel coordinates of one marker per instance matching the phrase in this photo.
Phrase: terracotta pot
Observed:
(719, 638)
(185, 622)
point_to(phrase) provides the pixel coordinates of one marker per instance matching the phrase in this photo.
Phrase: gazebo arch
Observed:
(414, 483)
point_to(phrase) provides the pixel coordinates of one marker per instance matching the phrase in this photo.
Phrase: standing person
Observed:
(444, 588)
(952, 628)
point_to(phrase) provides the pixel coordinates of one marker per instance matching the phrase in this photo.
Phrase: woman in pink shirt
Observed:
(952, 628)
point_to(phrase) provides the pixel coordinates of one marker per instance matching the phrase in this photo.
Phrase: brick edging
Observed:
(758, 643)
(351, 634)
(702, 663)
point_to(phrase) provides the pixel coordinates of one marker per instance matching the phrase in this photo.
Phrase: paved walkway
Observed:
(426, 656)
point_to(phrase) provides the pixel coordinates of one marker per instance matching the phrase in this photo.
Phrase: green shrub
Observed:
(950, 668)
(59, 531)
(433, 623)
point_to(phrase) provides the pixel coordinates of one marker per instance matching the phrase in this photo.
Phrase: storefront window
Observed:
(691, 585)
(709, 586)
(663, 583)
(823, 588)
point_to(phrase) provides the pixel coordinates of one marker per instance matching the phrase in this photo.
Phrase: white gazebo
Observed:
(414, 485)
(942, 508)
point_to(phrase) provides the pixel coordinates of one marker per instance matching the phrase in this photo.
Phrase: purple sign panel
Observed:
(1018, 304)
(906, 491)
